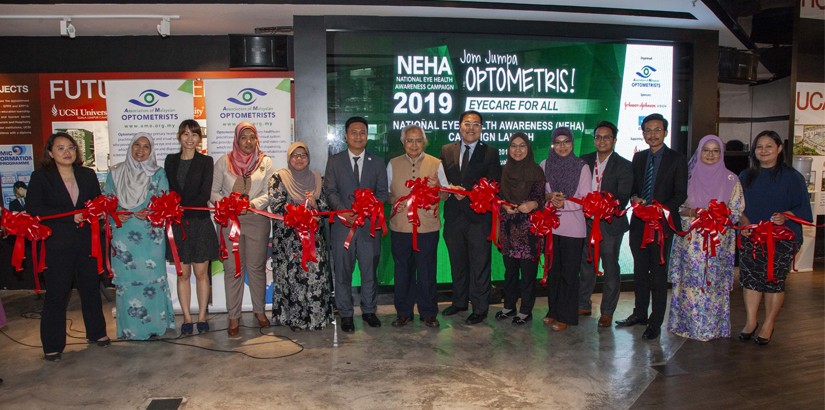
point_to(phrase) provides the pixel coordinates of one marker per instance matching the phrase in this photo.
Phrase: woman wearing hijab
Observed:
(190, 175)
(138, 263)
(300, 299)
(567, 176)
(246, 170)
(62, 184)
(522, 184)
(700, 305)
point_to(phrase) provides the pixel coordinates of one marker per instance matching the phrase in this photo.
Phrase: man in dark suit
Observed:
(612, 173)
(347, 171)
(659, 173)
(465, 232)
(19, 202)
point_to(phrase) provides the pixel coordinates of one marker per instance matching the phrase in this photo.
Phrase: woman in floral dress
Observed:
(700, 304)
(144, 308)
(301, 299)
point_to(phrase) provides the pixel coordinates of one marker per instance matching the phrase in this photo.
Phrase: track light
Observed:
(165, 27)
(67, 28)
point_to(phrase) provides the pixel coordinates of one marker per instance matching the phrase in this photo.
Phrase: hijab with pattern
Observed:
(298, 183)
(132, 177)
(563, 173)
(518, 177)
(241, 164)
(706, 182)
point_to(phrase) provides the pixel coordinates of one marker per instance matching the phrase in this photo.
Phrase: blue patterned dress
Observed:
(144, 308)
(697, 310)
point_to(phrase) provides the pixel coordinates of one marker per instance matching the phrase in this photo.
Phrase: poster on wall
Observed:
(517, 84)
(809, 158)
(264, 102)
(16, 166)
(153, 106)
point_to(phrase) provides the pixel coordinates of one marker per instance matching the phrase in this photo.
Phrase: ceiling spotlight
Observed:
(165, 27)
(67, 28)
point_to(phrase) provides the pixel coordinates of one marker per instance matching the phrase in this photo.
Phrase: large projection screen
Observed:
(517, 83)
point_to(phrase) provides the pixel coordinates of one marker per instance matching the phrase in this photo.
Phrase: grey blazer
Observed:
(340, 183)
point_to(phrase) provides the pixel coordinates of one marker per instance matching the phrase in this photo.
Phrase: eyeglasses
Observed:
(70, 148)
(299, 156)
(563, 142)
(648, 131)
(518, 146)
(602, 137)
(711, 151)
(468, 124)
(418, 141)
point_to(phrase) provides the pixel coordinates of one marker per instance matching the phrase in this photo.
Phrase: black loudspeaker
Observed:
(737, 67)
(260, 52)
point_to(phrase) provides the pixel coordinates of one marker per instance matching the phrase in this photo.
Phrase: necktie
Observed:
(22, 202)
(356, 170)
(465, 158)
(647, 189)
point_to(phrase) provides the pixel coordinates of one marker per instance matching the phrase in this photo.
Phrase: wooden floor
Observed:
(789, 373)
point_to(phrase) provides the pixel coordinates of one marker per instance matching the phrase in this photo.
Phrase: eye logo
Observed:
(148, 98)
(18, 150)
(247, 96)
(646, 71)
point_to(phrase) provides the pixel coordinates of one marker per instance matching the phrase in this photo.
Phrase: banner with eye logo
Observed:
(264, 102)
(153, 106)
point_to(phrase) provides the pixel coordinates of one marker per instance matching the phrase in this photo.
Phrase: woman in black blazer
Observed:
(62, 184)
(190, 175)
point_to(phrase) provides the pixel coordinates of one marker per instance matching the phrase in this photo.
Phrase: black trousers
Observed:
(469, 262)
(649, 276)
(415, 274)
(64, 267)
(563, 279)
(525, 286)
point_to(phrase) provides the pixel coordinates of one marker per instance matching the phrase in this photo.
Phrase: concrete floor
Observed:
(492, 365)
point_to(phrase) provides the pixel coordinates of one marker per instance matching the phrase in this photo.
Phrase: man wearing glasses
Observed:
(660, 174)
(415, 270)
(613, 174)
(465, 232)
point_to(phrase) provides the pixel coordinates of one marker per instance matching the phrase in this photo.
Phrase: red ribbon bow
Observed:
(542, 224)
(93, 211)
(652, 216)
(302, 219)
(164, 210)
(765, 234)
(711, 223)
(599, 206)
(484, 198)
(421, 196)
(25, 226)
(366, 206)
(226, 213)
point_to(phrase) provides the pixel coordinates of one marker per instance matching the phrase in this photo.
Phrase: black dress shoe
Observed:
(631, 321)
(651, 333)
(500, 315)
(347, 325)
(371, 319)
(747, 336)
(517, 320)
(430, 321)
(475, 318)
(761, 341)
(451, 310)
(400, 321)
(104, 341)
(53, 357)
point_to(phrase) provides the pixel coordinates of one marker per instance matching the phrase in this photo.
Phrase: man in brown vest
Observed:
(415, 271)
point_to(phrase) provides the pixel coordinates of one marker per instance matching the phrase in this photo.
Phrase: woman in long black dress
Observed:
(300, 298)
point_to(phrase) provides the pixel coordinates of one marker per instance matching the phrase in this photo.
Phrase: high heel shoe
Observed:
(262, 320)
(761, 341)
(233, 330)
(744, 337)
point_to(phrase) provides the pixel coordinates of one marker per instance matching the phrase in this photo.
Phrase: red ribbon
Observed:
(484, 198)
(95, 209)
(226, 213)
(711, 223)
(421, 196)
(542, 223)
(599, 206)
(302, 219)
(164, 210)
(652, 216)
(765, 234)
(365, 206)
(25, 226)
